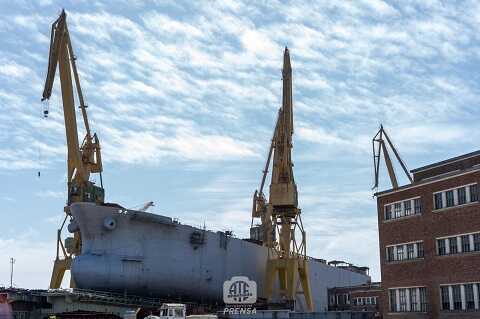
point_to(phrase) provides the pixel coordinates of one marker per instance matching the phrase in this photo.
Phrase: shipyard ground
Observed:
(82, 304)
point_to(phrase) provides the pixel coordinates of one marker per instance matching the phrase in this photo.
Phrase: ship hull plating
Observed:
(141, 253)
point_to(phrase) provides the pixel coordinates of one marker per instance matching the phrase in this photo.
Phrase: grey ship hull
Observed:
(142, 253)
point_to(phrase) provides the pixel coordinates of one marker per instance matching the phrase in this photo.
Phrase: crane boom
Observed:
(82, 160)
(379, 146)
(85, 159)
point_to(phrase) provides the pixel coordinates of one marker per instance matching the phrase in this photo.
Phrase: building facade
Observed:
(355, 298)
(429, 234)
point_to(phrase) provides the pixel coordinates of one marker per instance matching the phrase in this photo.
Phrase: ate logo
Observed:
(240, 290)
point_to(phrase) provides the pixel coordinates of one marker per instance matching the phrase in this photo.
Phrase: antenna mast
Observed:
(12, 262)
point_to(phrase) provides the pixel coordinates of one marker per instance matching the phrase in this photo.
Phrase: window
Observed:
(462, 196)
(455, 293)
(465, 243)
(403, 299)
(438, 201)
(473, 193)
(445, 298)
(404, 208)
(423, 299)
(404, 251)
(458, 244)
(441, 247)
(418, 299)
(398, 210)
(410, 251)
(393, 300)
(388, 212)
(400, 252)
(457, 297)
(476, 242)
(390, 255)
(469, 297)
(449, 196)
(178, 313)
(417, 205)
(413, 300)
(453, 245)
(407, 207)
(420, 251)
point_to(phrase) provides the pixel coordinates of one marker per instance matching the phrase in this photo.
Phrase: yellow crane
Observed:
(287, 256)
(379, 146)
(82, 159)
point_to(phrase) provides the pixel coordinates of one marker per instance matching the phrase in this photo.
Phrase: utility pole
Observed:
(12, 261)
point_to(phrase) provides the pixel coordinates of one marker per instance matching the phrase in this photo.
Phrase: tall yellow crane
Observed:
(82, 159)
(287, 256)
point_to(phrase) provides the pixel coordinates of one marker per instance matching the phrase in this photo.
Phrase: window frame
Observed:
(457, 292)
(413, 300)
(444, 298)
(388, 212)
(393, 250)
(462, 198)
(443, 199)
(411, 251)
(422, 254)
(476, 241)
(453, 242)
(418, 201)
(392, 294)
(453, 245)
(469, 303)
(415, 208)
(438, 201)
(402, 254)
(474, 194)
(407, 207)
(390, 253)
(402, 297)
(423, 299)
(441, 249)
(465, 244)
(398, 210)
(420, 299)
(449, 198)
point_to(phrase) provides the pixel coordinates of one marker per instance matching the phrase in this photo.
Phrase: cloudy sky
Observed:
(184, 96)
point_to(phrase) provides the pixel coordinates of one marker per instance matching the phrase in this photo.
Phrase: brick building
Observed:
(355, 298)
(429, 234)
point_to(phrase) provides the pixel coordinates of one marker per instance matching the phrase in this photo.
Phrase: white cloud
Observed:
(158, 22)
(145, 147)
(257, 42)
(13, 70)
(51, 194)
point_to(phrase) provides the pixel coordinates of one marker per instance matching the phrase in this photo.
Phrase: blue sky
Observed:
(183, 96)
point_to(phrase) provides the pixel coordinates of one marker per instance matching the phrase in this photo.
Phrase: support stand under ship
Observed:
(136, 252)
